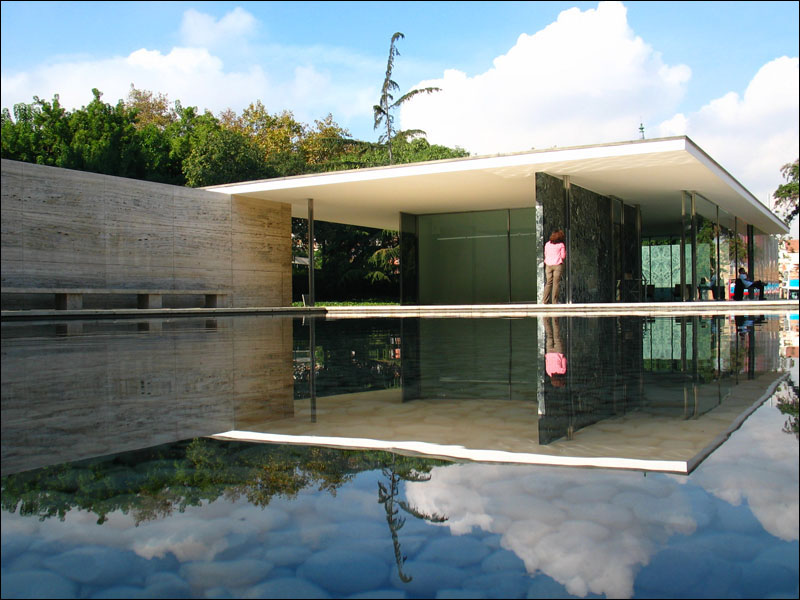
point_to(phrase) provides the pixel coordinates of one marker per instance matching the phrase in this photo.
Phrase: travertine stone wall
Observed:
(64, 228)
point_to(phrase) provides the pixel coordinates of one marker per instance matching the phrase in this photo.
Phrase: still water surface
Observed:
(112, 486)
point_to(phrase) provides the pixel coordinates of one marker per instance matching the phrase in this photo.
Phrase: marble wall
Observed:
(591, 269)
(551, 206)
(72, 229)
(585, 217)
(596, 385)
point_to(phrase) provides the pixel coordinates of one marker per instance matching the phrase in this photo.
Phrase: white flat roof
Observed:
(651, 173)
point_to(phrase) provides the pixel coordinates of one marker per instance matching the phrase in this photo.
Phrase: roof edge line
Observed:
(450, 165)
(732, 182)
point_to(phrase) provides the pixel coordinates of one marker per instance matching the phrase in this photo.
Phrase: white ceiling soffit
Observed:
(650, 173)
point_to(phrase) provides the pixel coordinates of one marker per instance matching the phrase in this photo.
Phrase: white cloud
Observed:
(592, 533)
(758, 466)
(198, 73)
(751, 135)
(584, 79)
(202, 30)
(191, 75)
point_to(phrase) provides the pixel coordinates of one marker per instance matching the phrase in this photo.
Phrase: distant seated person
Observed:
(702, 289)
(750, 285)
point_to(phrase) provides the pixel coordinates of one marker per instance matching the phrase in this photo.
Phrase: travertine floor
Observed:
(507, 431)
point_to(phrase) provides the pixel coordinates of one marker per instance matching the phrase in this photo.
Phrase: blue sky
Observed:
(515, 75)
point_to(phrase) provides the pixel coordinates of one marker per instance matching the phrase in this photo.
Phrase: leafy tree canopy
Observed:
(786, 195)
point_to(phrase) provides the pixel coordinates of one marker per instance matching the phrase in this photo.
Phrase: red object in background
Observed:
(731, 286)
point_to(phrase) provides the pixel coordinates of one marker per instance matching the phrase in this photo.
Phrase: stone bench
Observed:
(72, 298)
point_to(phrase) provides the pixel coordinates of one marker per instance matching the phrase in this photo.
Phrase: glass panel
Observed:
(463, 258)
(409, 293)
(646, 270)
(706, 221)
(765, 260)
(727, 252)
(661, 267)
(630, 245)
(685, 277)
(742, 258)
(476, 374)
(522, 237)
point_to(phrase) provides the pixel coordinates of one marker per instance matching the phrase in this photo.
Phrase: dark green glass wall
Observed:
(483, 257)
(459, 359)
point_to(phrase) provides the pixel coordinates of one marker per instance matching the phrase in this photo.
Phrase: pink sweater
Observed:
(555, 363)
(554, 254)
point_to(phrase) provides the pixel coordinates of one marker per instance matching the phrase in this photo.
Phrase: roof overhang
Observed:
(650, 173)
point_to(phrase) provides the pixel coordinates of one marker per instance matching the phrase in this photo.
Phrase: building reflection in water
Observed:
(636, 387)
(81, 389)
(633, 387)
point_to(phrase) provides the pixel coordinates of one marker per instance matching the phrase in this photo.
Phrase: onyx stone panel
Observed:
(631, 244)
(591, 269)
(551, 202)
(596, 386)
(585, 217)
(551, 197)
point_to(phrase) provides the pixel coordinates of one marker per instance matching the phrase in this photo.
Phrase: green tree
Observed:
(105, 139)
(786, 195)
(387, 104)
(38, 133)
(99, 137)
(220, 155)
(181, 132)
(278, 137)
(326, 146)
(407, 147)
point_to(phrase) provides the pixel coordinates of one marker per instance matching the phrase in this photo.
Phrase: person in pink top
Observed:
(555, 251)
(555, 362)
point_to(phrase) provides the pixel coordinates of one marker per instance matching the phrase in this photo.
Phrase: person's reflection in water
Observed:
(746, 324)
(555, 362)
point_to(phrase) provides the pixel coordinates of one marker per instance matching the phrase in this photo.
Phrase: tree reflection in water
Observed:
(788, 403)
(152, 484)
(388, 496)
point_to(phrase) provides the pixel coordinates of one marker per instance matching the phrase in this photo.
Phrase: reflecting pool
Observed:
(279, 457)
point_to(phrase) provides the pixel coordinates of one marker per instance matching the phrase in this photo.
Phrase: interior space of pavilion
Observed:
(645, 221)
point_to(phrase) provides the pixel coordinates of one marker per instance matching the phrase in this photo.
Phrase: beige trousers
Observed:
(552, 281)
